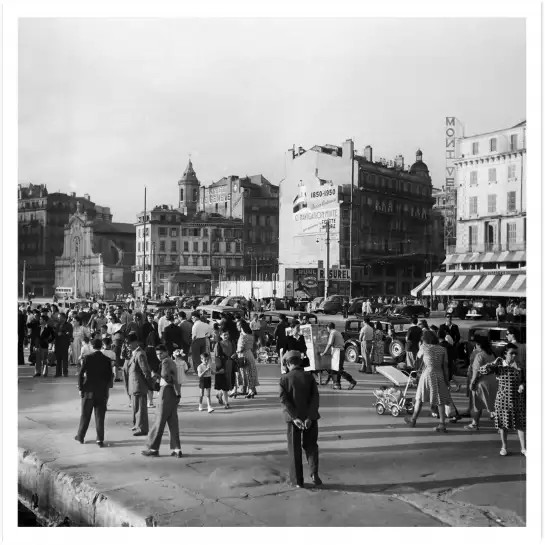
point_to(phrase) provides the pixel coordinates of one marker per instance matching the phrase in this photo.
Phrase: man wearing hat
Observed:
(138, 381)
(300, 402)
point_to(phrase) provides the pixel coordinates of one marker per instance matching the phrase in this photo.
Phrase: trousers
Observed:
(139, 404)
(341, 372)
(41, 361)
(21, 353)
(61, 355)
(98, 404)
(299, 440)
(165, 414)
(366, 347)
(198, 347)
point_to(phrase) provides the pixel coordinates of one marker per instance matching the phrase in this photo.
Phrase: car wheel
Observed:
(397, 348)
(351, 354)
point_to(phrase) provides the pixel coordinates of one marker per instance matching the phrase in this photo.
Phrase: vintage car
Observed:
(233, 299)
(279, 304)
(496, 335)
(410, 310)
(355, 305)
(214, 312)
(482, 310)
(272, 317)
(332, 305)
(394, 348)
(315, 304)
(458, 308)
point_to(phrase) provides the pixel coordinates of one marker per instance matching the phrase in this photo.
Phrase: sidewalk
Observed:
(376, 471)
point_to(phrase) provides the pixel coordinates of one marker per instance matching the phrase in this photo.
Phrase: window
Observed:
(513, 143)
(161, 259)
(184, 232)
(511, 201)
(139, 246)
(161, 245)
(511, 233)
(195, 195)
(162, 217)
(475, 148)
(493, 144)
(181, 194)
(237, 247)
(205, 246)
(227, 247)
(491, 204)
(473, 205)
(205, 261)
(473, 177)
(162, 231)
(491, 174)
(205, 232)
(186, 246)
(174, 232)
(173, 258)
(147, 246)
(173, 247)
(511, 170)
(227, 233)
(186, 260)
(225, 207)
(472, 236)
(196, 232)
(195, 246)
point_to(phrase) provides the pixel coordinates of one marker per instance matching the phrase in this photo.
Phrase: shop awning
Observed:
(488, 257)
(440, 285)
(416, 292)
(501, 285)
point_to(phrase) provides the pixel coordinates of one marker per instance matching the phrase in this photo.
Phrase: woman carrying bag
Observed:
(224, 355)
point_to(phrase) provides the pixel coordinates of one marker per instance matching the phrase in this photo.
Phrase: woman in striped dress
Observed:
(433, 384)
(244, 350)
(377, 351)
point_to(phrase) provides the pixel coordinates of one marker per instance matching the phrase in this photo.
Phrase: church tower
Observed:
(188, 191)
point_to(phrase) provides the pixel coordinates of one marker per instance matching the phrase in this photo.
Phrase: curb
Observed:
(54, 495)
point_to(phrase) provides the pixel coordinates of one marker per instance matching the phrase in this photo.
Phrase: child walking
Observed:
(204, 371)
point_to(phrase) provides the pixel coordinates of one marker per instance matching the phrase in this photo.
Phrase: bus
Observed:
(64, 292)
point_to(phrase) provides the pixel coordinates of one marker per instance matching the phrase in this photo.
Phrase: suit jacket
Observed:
(172, 334)
(46, 336)
(299, 396)
(63, 336)
(453, 331)
(96, 374)
(137, 373)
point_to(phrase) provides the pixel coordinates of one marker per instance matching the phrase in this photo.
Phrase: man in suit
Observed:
(186, 326)
(45, 337)
(280, 334)
(300, 402)
(93, 384)
(172, 335)
(137, 381)
(63, 339)
(448, 328)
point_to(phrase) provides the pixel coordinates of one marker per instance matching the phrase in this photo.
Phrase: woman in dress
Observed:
(482, 387)
(377, 351)
(510, 405)
(244, 352)
(223, 379)
(433, 384)
(78, 333)
(296, 341)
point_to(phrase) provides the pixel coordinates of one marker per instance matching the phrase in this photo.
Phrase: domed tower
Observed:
(188, 189)
(419, 168)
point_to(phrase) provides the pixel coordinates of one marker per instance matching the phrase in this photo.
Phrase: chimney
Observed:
(399, 162)
(348, 149)
(87, 196)
(73, 195)
(368, 153)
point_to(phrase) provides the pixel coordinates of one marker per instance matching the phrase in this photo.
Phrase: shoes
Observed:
(503, 452)
(337, 387)
(134, 428)
(210, 410)
(175, 454)
(150, 453)
(440, 428)
(465, 415)
(352, 385)
(37, 374)
(316, 480)
(300, 484)
(471, 427)
(227, 406)
(151, 406)
(219, 398)
(139, 433)
(80, 441)
(410, 421)
(100, 444)
(201, 407)
(57, 376)
(117, 380)
(250, 396)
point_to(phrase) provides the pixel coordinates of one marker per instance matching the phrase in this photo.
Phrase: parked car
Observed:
(218, 299)
(458, 308)
(190, 302)
(394, 349)
(332, 305)
(302, 305)
(214, 312)
(279, 304)
(233, 299)
(207, 300)
(482, 310)
(315, 304)
(355, 305)
(411, 310)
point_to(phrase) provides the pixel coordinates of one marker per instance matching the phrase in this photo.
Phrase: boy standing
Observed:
(204, 371)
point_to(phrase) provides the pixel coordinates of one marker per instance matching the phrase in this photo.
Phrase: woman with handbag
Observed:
(224, 351)
(483, 386)
(377, 350)
(244, 352)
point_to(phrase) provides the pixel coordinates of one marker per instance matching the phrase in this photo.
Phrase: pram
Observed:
(393, 399)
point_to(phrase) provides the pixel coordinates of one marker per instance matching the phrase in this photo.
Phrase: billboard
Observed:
(314, 205)
(302, 283)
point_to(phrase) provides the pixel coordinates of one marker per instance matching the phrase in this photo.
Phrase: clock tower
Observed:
(188, 191)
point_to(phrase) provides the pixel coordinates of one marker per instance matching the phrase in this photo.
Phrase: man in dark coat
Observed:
(451, 329)
(63, 338)
(93, 384)
(280, 334)
(412, 343)
(46, 335)
(172, 335)
(300, 403)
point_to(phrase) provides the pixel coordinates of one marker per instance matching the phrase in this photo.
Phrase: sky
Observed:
(108, 106)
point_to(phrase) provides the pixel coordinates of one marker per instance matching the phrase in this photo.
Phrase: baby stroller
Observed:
(394, 399)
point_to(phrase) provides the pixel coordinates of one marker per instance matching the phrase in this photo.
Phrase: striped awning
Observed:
(489, 257)
(416, 292)
(502, 285)
(440, 285)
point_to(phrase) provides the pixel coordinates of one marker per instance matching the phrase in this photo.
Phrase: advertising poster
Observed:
(305, 284)
(316, 337)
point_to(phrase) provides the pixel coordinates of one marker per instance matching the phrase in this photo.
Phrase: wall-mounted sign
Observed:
(218, 194)
(337, 275)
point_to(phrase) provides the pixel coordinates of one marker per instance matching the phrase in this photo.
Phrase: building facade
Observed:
(42, 217)
(97, 256)
(489, 258)
(391, 226)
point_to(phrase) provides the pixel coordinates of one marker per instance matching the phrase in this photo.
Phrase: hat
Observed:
(132, 337)
(291, 354)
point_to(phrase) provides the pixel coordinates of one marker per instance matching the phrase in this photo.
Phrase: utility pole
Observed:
(24, 278)
(251, 252)
(326, 290)
(76, 272)
(145, 216)
(351, 215)
(153, 287)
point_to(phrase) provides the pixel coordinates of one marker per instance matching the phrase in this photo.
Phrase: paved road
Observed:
(376, 470)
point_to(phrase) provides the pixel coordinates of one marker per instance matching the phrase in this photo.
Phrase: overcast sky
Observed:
(107, 106)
